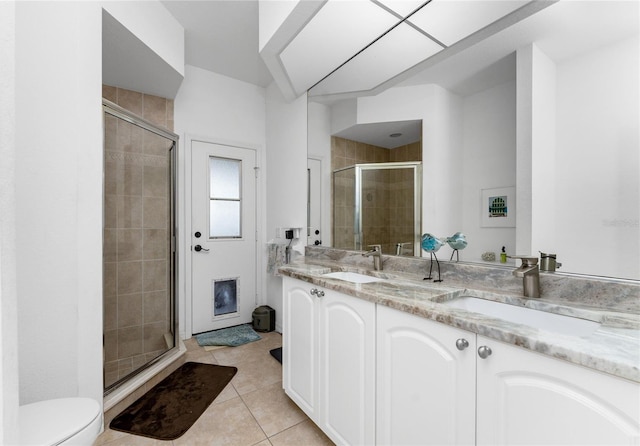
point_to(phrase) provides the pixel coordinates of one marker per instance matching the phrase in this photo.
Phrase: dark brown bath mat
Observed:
(171, 407)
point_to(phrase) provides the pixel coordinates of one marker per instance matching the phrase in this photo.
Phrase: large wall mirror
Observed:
(544, 114)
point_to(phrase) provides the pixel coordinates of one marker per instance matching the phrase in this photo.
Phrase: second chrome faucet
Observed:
(376, 253)
(530, 275)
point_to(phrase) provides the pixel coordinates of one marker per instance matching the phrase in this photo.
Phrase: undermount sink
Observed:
(543, 320)
(349, 276)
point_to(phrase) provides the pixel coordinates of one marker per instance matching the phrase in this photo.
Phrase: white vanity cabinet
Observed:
(524, 397)
(329, 360)
(425, 381)
(429, 392)
(368, 374)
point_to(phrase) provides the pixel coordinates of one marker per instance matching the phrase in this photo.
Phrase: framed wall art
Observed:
(499, 207)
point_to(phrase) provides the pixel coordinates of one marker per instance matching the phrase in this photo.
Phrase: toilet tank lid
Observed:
(53, 421)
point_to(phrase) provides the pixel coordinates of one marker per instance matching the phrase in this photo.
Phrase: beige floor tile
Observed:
(257, 374)
(115, 438)
(191, 344)
(305, 433)
(213, 347)
(228, 393)
(200, 355)
(273, 409)
(264, 410)
(228, 423)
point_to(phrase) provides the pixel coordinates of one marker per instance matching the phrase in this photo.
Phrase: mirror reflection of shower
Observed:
(376, 186)
(378, 204)
(376, 196)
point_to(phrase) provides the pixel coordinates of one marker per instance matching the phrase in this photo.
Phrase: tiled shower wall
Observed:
(387, 195)
(136, 235)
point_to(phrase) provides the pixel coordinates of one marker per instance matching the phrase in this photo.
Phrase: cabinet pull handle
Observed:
(319, 293)
(461, 344)
(484, 352)
(313, 292)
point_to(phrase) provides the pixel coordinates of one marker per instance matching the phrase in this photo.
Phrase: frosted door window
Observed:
(225, 198)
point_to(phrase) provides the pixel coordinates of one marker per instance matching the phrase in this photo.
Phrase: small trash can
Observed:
(264, 318)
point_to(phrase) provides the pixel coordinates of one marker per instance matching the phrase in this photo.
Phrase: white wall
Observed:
(286, 177)
(224, 110)
(543, 154)
(58, 216)
(524, 137)
(58, 200)
(578, 158)
(152, 23)
(598, 168)
(488, 161)
(319, 147)
(9, 396)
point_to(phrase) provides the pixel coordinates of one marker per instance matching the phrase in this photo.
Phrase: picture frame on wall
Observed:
(499, 207)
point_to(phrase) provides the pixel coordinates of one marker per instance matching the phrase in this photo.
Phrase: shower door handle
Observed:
(199, 248)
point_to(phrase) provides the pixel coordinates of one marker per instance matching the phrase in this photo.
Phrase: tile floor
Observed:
(252, 410)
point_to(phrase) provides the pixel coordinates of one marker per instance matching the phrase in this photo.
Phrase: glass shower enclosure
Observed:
(139, 305)
(378, 204)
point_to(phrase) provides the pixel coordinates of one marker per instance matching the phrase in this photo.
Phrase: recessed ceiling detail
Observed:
(338, 31)
(357, 45)
(451, 21)
(400, 49)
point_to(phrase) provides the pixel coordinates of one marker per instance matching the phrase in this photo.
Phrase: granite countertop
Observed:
(613, 348)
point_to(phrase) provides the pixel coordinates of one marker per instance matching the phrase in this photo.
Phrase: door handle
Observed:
(199, 248)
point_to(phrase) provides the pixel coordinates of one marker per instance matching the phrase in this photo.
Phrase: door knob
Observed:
(199, 248)
(462, 343)
(484, 352)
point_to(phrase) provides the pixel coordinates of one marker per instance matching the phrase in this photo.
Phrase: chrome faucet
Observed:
(530, 275)
(376, 252)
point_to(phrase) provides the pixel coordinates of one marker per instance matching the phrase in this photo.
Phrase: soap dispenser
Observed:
(503, 255)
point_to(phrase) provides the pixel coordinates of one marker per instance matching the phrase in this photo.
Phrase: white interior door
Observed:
(314, 172)
(223, 235)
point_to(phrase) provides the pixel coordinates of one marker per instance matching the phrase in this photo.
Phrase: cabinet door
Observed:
(528, 398)
(299, 345)
(347, 368)
(426, 385)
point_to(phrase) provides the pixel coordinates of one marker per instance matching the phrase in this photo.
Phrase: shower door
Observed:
(378, 204)
(138, 247)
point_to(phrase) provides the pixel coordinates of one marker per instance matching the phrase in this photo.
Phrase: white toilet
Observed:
(64, 421)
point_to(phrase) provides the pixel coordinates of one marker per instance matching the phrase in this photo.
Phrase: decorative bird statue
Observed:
(431, 244)
(457, 241)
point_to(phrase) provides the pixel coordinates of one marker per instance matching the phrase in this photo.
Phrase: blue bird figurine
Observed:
(431, 243)
(457, 241)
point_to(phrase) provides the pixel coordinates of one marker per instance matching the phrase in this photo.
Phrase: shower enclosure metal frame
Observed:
(115, 110)
(416, 166)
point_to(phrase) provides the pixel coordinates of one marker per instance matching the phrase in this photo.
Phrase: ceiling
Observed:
(379, 134)
(222, 36)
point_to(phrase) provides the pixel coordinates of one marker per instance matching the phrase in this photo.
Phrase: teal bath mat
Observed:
(232, 336)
